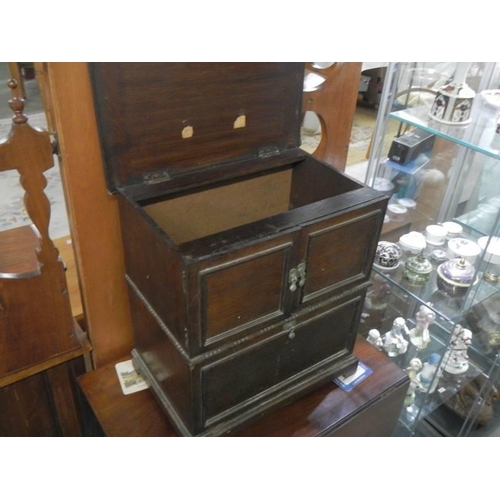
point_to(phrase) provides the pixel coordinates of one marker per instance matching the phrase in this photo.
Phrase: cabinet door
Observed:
(242, 291)
(337, 252)
(311, 349)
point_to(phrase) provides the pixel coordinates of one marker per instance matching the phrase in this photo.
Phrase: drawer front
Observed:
(243, 291)
(261, 371)
(338, 252)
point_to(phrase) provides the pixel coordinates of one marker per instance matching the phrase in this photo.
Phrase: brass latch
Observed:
(297, 277)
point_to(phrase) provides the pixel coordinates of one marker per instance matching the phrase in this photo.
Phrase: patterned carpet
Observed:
(12, 211)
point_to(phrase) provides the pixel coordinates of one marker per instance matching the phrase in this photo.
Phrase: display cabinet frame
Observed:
(461, 158)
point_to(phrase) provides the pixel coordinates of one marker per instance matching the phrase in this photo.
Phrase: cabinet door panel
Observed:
(339, 252)
(244, 290)
(317, 344)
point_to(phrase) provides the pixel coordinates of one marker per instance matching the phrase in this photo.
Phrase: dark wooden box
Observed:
(247, 259)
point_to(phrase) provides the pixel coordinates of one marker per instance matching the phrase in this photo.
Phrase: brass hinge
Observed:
(156, 177)
(269, 151)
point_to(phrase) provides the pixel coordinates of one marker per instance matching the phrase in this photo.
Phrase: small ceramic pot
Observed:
(396, 211)
(385, 186)
(490, 100)
(435, 235)
(453, 102)
(453, 229)
(407, 203)
(438, 255)
(418, 270)
(387, 256)
(491, 257)
(492, 253)
(462, 247)
(455, 277)
(412, 242)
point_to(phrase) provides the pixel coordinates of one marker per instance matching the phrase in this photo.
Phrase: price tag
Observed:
(348, 383)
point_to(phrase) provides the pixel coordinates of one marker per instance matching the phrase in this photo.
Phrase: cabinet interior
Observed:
(197, 213)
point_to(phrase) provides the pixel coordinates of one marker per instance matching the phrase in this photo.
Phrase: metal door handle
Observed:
(297, 277)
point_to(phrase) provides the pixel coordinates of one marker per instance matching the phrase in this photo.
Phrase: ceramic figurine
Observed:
(375, 303)
(394, 341)
(420, 336)
(413, 370)
(456, 358)
(430, 374)
(375, 339)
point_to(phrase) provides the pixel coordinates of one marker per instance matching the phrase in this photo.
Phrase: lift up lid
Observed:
(167, 122)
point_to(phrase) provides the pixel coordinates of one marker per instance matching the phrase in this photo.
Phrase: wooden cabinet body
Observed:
(247, 259)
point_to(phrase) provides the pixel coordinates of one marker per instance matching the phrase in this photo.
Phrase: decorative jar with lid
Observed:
(455, 276)
(418, 270)
(387, 256)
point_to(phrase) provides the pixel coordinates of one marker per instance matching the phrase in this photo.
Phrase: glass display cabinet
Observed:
(434, 303)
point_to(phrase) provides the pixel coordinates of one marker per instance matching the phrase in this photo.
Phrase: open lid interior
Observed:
(159, 121)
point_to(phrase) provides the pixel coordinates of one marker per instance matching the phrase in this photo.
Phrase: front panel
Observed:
(338, 252)
(314, 345)
(242, 291)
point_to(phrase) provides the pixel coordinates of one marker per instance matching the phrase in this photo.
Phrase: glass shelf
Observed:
(380, 312)
(454, 180)
(477, 135)
(445, 307)
(478, 407)
(447, 387)
(446, 394)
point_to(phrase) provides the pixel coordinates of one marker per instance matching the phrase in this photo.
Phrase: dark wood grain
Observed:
(225, 290)
(242, 291)
(26, 409)
(225, 241)
(43, 404)
(217, 258)
(328, 182)
(155, 266)
(313, 341)
(340, 250)
(167, 97)
(370, 409)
